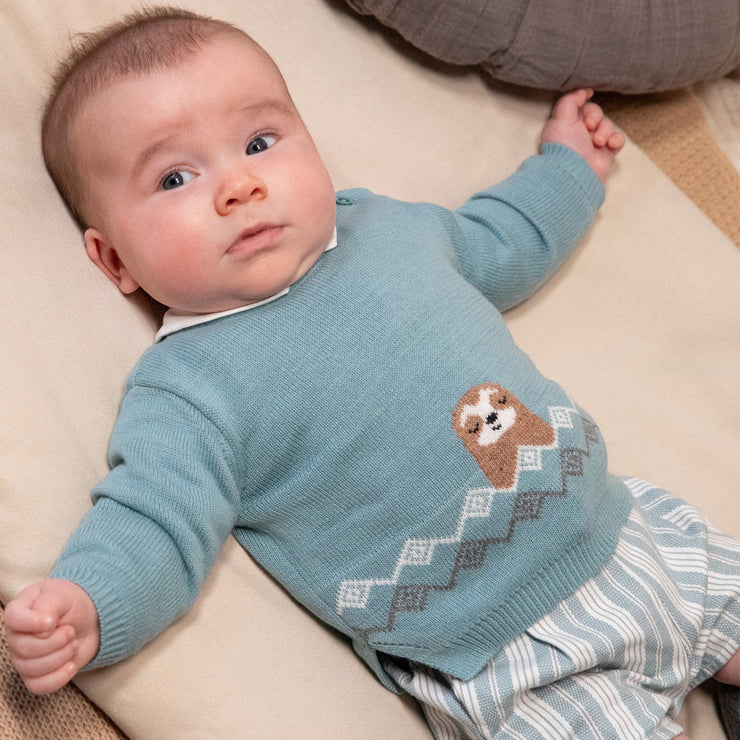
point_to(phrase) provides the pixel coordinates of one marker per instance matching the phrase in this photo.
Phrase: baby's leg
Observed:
(730, 672)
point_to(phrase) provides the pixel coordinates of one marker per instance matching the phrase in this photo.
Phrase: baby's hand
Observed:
(582, 126)
(52, 631)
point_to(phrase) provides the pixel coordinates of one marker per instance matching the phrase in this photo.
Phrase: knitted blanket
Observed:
(673, 131)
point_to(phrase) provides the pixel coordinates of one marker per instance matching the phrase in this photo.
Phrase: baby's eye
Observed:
(260, 144)
(176, 179)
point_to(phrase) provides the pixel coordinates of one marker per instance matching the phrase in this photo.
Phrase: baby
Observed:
(334, 385)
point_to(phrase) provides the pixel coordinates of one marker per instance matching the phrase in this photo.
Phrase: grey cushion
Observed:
(626, 46)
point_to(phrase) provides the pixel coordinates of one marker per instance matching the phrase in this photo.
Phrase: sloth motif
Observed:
(493, 423)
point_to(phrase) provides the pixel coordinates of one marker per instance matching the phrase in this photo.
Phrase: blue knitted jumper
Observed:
(374, 438)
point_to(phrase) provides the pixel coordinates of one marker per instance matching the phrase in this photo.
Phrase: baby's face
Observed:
(207, 189)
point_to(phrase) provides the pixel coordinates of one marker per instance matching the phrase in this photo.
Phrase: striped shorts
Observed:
(617, 657)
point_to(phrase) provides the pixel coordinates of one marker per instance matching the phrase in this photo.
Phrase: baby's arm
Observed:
(53, 631)
(582, 126)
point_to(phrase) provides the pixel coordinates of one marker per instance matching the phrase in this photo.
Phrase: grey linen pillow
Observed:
(628, 46)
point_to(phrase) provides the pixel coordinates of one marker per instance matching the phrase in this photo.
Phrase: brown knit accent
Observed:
(672, 130)
(483, 408)
(64, 715)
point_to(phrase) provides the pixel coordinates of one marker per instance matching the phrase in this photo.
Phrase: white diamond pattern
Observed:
(477, 504)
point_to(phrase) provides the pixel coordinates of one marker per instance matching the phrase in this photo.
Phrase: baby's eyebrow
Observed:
(267, 106)
(148, 153)
(248, 111)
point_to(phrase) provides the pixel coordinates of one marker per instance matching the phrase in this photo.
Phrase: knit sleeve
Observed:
(158, 522)
(516, 234)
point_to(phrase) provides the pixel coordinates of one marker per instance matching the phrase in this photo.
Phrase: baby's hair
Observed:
(143, 41)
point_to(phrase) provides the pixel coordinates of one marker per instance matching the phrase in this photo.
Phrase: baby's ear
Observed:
(105, 256)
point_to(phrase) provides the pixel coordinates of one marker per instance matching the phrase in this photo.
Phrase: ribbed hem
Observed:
(115, 615)
(577, 167)
(467, 653)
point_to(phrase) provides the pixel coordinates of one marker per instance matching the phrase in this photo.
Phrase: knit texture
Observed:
(728, 699)
(340, 433)
(672, 130)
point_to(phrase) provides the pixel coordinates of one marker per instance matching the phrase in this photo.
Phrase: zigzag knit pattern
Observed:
(470, 553)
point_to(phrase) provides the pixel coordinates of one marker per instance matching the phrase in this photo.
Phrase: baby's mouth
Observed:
(256, 238)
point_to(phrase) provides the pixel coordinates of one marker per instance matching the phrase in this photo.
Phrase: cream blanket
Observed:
(641, 326)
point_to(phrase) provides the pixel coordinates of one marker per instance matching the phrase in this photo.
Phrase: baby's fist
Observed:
(53, 631)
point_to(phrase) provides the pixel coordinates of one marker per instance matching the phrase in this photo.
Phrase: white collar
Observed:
(175, 320)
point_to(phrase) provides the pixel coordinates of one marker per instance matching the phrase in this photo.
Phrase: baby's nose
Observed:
(239, 186)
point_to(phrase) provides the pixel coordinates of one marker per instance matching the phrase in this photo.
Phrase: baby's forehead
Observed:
(227, 79)
(217, 56)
